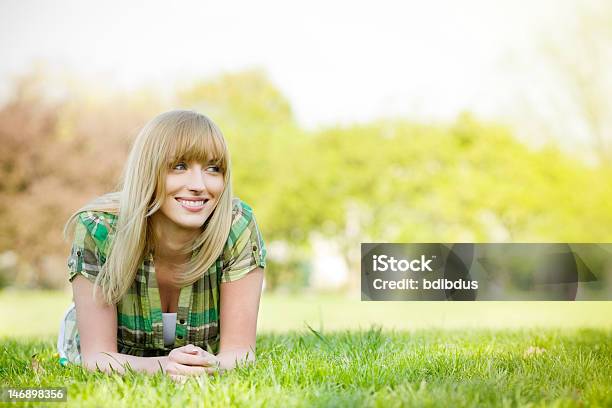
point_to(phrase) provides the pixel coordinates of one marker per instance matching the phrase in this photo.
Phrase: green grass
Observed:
(358, 368)
(381, 354)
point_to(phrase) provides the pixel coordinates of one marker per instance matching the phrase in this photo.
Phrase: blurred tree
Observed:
(383, 181)
(58, 153)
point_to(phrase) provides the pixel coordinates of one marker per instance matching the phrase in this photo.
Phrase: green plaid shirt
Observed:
(139, 314)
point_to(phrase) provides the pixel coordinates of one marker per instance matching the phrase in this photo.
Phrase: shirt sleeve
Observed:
(85, 256)
(245, 249)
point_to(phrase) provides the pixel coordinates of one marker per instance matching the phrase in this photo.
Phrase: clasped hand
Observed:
(190, 360)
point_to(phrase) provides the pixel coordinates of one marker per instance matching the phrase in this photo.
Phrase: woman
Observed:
(158, 266)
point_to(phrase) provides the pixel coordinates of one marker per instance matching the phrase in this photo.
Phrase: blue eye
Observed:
(180, 166)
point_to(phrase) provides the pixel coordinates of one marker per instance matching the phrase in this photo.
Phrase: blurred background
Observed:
(439, 121)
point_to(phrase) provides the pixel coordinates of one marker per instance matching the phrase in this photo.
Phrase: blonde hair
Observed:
(170, 137)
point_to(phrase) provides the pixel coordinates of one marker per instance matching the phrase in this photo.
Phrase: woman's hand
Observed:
(190, 360)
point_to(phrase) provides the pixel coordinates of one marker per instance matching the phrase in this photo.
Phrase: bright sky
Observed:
(336, 61)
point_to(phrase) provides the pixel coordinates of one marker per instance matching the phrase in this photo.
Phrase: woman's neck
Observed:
(170, 241)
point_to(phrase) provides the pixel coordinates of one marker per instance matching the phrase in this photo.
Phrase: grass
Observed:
(358, 368)
(418, 354)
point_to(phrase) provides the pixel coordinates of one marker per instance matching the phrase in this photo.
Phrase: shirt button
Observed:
(182, 321)
(254, 247)
(78, 253)
(179, 337)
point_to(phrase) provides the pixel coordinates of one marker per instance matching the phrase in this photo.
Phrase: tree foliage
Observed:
(387, 181)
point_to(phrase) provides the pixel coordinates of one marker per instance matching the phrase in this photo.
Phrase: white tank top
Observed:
(169, 320)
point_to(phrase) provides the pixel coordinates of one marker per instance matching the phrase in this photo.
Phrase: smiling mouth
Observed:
(192, 203)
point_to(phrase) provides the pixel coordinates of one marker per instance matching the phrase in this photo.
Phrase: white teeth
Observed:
(191, 203)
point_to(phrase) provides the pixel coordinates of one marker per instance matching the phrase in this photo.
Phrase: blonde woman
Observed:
(167, 272)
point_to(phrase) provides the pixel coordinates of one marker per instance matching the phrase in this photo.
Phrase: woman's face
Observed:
(192, 192)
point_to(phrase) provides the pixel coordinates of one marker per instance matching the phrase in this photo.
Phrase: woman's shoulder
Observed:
(244, 248)
(240, 209)
(99, 224)
(243, 219)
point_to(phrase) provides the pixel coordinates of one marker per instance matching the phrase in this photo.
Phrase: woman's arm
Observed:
(97, 325)
(238, 317)
(119, 363)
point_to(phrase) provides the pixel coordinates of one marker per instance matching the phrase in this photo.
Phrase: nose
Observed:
(196, 182)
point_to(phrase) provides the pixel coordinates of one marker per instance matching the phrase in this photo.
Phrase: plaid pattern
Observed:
(139, 314)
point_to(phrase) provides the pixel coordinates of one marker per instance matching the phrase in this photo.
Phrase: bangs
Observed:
(197, 141)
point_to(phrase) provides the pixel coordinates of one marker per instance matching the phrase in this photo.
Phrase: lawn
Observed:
(418, 354)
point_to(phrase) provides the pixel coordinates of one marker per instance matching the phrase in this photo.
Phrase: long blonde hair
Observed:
(163, 141)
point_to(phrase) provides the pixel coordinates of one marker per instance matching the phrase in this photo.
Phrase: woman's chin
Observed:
(191, 222)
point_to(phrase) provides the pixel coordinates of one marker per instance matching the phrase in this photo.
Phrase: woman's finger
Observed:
(182, 372)
(193, 359)
(193, 355)
(188, 348)
(206, 354)
(182, 369)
